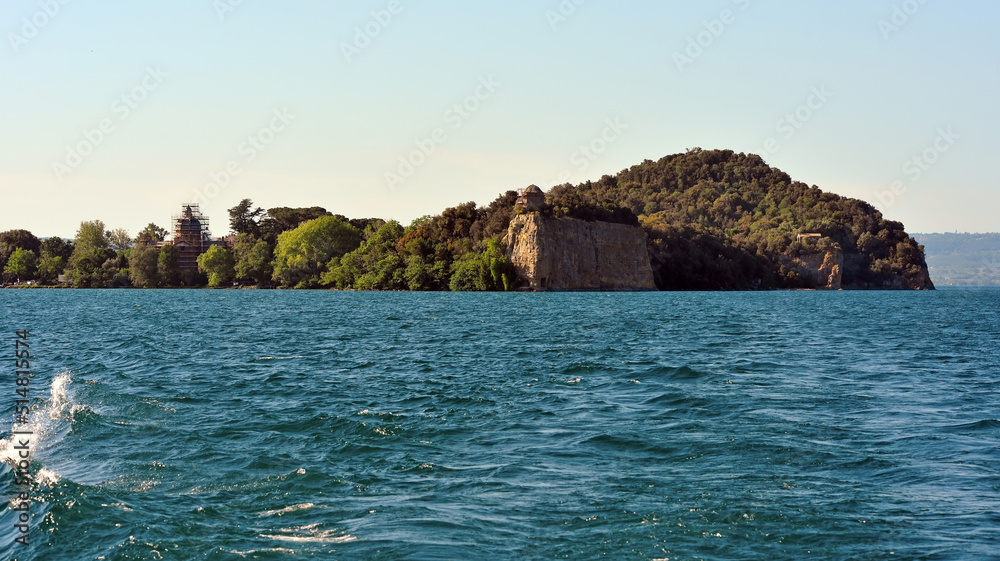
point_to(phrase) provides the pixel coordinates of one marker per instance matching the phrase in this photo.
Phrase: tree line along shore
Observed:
(714, 220)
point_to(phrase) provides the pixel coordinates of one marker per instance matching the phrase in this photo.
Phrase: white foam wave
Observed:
(287, 509)
(255, 551)
(45, 420)
(310, 534)
(47, 477)
(59, 397)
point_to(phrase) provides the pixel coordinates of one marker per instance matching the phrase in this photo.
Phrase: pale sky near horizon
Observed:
(313, 103)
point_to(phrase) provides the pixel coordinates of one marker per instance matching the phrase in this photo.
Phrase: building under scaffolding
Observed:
(191, 237)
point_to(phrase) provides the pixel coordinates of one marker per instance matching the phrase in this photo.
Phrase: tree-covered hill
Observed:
(723, 220)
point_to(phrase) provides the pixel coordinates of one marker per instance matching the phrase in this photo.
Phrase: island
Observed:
(701, 220)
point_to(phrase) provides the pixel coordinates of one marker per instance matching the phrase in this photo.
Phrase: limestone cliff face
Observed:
(824, 269)
(569, 254)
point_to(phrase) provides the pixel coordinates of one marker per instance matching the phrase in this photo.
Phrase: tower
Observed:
(191, 236)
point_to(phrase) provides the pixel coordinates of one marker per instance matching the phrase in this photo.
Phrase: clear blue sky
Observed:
(199, 83)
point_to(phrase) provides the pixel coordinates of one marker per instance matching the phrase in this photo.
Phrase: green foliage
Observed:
(5, 252)
(151, 234)
(119, 239)
(87, 269)
(423, 257)
(717, 219)
(21, 264)
(466, 275)
(21, 239)
(254, 258)
(363, 224)
(218, 262)
(714, 220)
(244, 219)
(191, 277)
(168, 266)
(50, 267)
(374, 265)
(302, 254)
(90, 252)
(91, 236)
(142, 264)
(56, 247)
(12, 240)
(425, 274)
(283, 219)
(459, 249)
(570, 202)
(490, 270)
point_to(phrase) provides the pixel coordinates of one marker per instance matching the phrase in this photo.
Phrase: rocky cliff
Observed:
(569, 254)
(823, 269)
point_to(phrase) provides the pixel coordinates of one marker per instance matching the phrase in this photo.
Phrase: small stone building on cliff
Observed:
(531, 199)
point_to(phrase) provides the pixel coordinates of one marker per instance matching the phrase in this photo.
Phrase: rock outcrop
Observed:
(569, 254)
(918, 278)
(914, 277)
(824, 269)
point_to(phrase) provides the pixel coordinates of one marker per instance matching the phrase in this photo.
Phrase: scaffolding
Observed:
(191, 236)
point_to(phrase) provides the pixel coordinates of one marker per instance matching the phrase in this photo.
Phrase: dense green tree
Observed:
(244, 219)
(714, 220)
(302, 254)
(21, 265)
(193, 278)
(151, 234)
(283, 219)
(11, 240)
(490, 270)
(570, 202)
(21, 239)
(419, 274)
(91, 236)
(142, 266)
(87, 269)
(6, 250)
(428, 253)
(50, 267)
(218, 263)
(90, 252)
(115, 270)
(374, 265)
(119, 239)
(168, 266)
(254, 259)
(363, 224)
(57, 247)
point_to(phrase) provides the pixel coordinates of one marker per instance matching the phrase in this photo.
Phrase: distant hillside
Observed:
(723, 220)
(962, 259)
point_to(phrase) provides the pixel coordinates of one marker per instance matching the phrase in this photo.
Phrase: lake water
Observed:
(324, 425)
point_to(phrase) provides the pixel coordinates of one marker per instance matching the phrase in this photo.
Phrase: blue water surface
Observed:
(231, 425)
